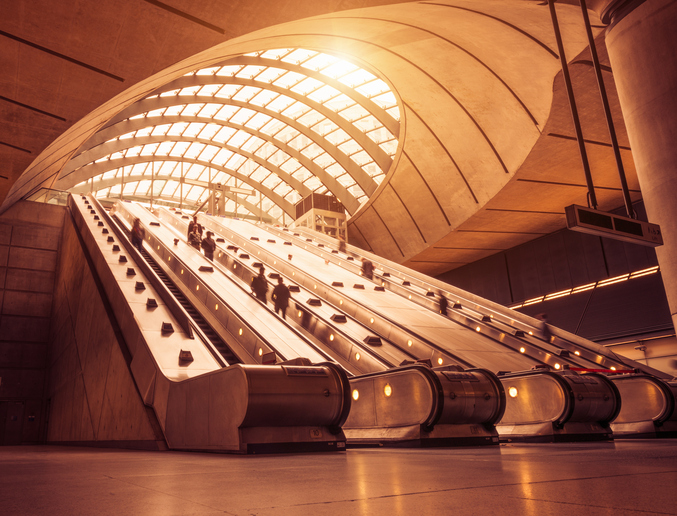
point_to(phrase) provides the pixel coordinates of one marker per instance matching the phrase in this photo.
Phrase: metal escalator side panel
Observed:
(536, 398)
(645, 398)
(205, 413)
(402, 397)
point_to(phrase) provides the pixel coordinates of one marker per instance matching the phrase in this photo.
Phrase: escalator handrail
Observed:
(158, 285)
(242, 320)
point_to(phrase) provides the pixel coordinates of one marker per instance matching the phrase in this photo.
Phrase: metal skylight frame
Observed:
(303, 122)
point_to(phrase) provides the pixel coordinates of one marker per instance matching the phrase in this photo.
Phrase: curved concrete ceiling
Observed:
(60, 60)
(481, 131)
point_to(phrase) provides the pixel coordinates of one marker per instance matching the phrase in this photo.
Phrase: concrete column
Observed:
(642, 45)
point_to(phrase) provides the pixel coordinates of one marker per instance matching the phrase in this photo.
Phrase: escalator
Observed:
(198, 403)
(195, 315)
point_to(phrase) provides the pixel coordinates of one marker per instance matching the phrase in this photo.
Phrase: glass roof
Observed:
(284, 123)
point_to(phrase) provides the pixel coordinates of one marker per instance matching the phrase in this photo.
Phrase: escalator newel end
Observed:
(167, 328)
(123, 258)
(151, 303)
(131, 271)
(140, 286)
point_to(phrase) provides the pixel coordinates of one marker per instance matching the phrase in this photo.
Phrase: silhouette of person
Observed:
(194, 238)
(192, 224)
(545, 328)
(260, 286)
(367, 269)
(138, 234)
(280, 297)
(209, 246)
(444, 304)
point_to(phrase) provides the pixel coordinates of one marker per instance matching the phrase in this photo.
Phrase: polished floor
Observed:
(625, 477)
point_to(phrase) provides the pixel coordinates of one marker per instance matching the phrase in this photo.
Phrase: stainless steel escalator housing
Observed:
(261, 409)
(416, 405)
(198, 405)
(547, 406)
(649, 407)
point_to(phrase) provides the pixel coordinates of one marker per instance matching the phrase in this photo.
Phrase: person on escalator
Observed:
(192, 224)
(443, 303)
(260, 286)
(545, 328)
(367, 269)
(209, 246)
(138, 234)
(281, 297)
(342, 244)
(194, 238)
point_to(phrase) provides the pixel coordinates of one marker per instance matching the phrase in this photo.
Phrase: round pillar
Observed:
(642, 44)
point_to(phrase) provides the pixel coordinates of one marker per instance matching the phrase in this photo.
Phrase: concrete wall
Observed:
(29, 241)
(93, 397)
